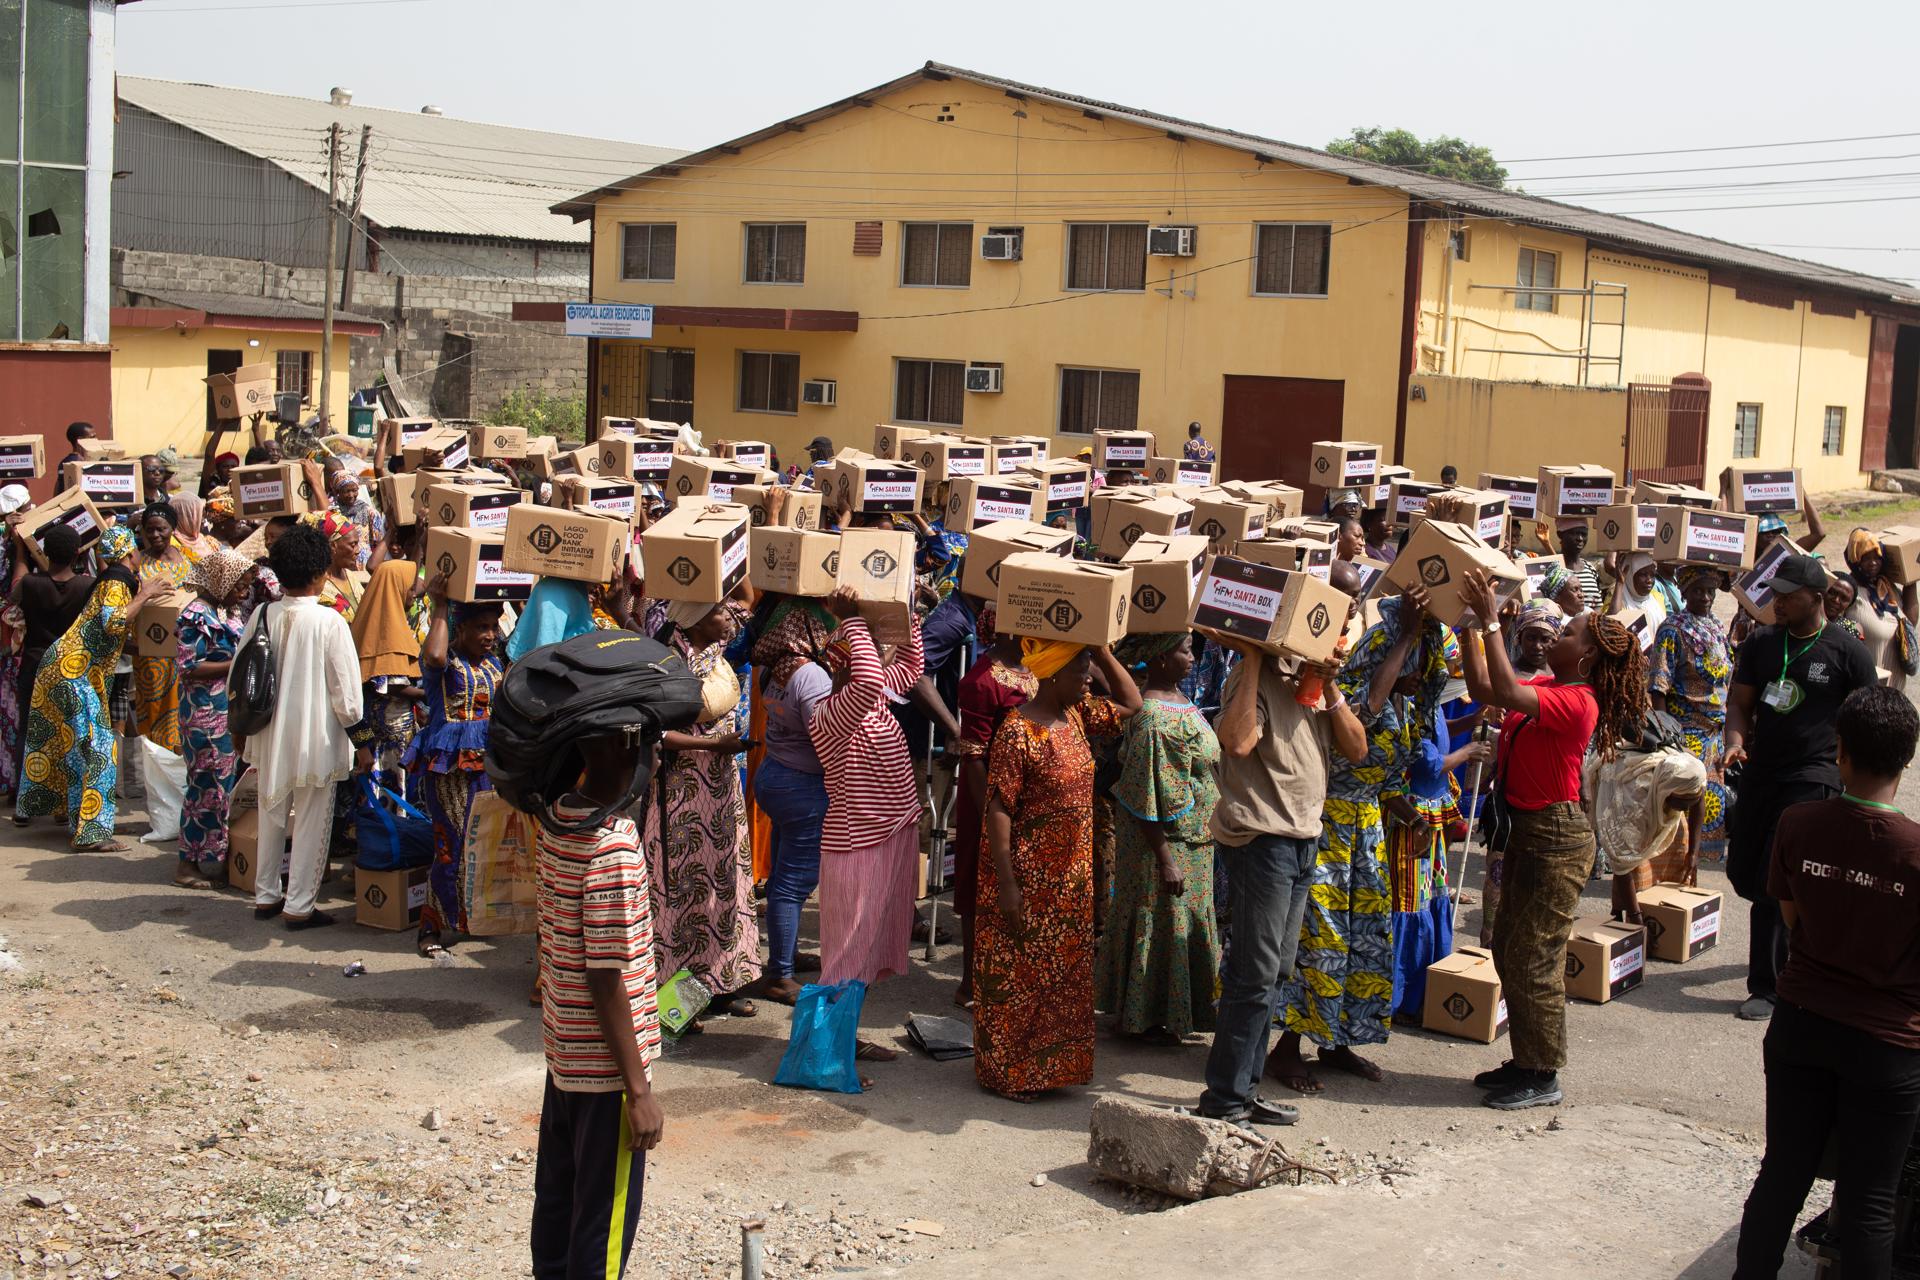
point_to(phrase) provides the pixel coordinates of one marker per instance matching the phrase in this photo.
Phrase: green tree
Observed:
(1441, 157)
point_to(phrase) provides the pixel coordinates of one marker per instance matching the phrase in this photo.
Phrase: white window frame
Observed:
(899, 416)
(1066, 258)
(1253, 285)
(1060, 398)
(1526, 297)
(1833, 426)
(746, 234)
(942, 227)
(1740, 415)
(740, 382)
(625, 227)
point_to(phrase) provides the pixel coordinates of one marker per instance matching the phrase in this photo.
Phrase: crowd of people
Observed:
(1184, 832)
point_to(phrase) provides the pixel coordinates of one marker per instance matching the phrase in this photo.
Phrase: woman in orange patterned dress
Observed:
(1033, 940)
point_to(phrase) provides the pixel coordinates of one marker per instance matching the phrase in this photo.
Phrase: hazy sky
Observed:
(1529, 80)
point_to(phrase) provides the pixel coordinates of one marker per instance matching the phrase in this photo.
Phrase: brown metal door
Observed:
(1268, 425)
(220, 361)
(670, 384)
(1667, 430)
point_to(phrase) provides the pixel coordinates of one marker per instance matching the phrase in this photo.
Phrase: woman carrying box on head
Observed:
(1883, 609)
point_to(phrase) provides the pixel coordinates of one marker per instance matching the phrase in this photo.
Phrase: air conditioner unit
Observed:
(818, 391)
(984, 377)
(1170, 242)
(1000, 248)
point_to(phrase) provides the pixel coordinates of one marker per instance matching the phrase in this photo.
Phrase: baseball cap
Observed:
(1799, 573)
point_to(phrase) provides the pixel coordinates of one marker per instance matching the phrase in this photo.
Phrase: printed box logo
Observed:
(1611, 528)
(1213, 529)
(879, 564)
(500, 442)
(1458, 1007)
(759, 515)
(376, 896)
(1061, 615)
(156, 632)
(685, 486)
(1318, 619)
(771, 559)
(1131, 534)
(1575, 966)
(1149, 598)
(1321, 465)
(683, 571)
(446, 563)
(1433, 571)
(446, 513)
(544, 539)
(832, 564)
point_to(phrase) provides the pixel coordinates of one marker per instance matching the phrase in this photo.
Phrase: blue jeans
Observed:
(1267, 881)
(796, 804)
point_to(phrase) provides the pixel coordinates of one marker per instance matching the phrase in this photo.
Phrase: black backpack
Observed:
(253, 685)
(603, 682)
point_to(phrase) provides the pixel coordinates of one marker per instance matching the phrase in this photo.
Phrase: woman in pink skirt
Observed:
(870, 844)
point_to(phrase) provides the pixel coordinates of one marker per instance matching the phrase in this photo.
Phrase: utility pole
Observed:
(333, 255)
(353, 217)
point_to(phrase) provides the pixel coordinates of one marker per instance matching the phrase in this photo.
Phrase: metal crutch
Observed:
(1482, 733)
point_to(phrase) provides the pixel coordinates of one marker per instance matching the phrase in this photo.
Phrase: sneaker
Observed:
(1755, 1009)
(1539, 1089)
(1501, 1077)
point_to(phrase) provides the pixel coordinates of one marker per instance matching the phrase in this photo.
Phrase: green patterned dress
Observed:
(1160, 954)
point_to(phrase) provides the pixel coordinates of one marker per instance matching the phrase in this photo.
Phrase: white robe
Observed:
(317, 700)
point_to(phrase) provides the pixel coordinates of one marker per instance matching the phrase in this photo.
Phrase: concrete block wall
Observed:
(420, 311)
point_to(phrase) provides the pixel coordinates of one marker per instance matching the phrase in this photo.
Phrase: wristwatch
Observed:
(1491, 629)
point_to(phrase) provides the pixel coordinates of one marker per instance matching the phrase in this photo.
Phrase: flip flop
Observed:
(1353, 1064)
(186, 879)
(99, 846)
(868, 1051)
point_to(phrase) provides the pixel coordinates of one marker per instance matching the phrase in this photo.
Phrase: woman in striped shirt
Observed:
(870, 843)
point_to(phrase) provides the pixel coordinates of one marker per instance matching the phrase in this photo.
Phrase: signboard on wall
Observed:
(608, 320)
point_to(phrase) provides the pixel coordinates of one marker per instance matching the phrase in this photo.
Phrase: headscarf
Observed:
(215, 574)
(797, 632)
(1542, 612)
(556, 610)
(1135, 652)
(1772, 523)
(1555, 580)
(1878, 591)
(189, 527)
(1631, 819)
(1428, 660)
(382, 635)
(229, 458)
(12, 498)
(688, 614)
(986, 625)
(169, 458)
(1652, 606)
(220, 504)
(116, 544)
(330, 523)
(939, 559)
(1045, 658)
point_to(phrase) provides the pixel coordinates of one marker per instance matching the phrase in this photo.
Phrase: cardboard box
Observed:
(247, 390)
(246, 792)
(389, 899)
(989, 544)
(1437, 556)
(757, 454)
(1659, 493)
(1281, 611)
(1284, 502)
(110, 486)
(1004, 457)
(474, 561)
(485, 441)
(1227, 522)
(541, 451)
(945, 458)
(1521, 492)
(1345, 464)
(762, 502)
(1306, 530)
(1463, 997)
(1067, 484)
(1166, 577)
(1042, 445)
(1051, 598)
(153, 626)
(1753, 590)
(795, 562)
(1482, 510)
(397, 433)
(98, 450)
(267, 490)
(1721, 539)
(1121, 516)
(22, 458)
(442, 447)
(1899, 553)
(1408, 498)
(1183, 471)
(1122, 450)
(1293, 555)
(972, 503)
(243, 851)
(1372, 574)
(633, 458)
(1574, 491)
(614, 496)
(611, 424)
(69, 507)
(1382, 489)
(878, 565)
(471, 506)
(581, 546)
(870, 486)
(1633, 527)
(396, 497)
(1605, 960)
(888, 438)
(1756, 491)
(1681, 921)
(1535, 567)
(583, 460)
(699, 553)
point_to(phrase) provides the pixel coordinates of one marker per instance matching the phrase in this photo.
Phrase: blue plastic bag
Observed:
(826, 1026)
(390, 839)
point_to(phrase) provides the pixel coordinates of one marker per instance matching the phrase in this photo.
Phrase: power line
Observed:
(268, 8)
(1684, 151)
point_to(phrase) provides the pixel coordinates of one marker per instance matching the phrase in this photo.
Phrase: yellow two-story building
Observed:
(959, 250)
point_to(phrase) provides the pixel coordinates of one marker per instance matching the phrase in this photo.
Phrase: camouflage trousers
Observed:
(1549, 857)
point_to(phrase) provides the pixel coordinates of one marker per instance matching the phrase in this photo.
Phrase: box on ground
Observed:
(553, 542)
(1050, 598)
(870, 486)
(989, 544)
(1166, 576)
(247, 390)
(1632, 527)
(1660, 493)
(243, 849)
(153, 626)
(69, 507)
(878, 565)
(1345, 464)
(1681, 921)
(945, 458)
(616, 496)
(474, 561)
(470, 506)
(888, 438)
(795, 562)
(109, 485)
(972, 502)
(1574, 491)
(1182, 471)
(1605, 959)
(1482, 510)
(698, 553)
(268, 490)
(1521, 492)
(1122, 516)
(485, 441)
(1463, 997)
(1758, 491)
(1719, 539)
(1279, 610)
(22, 457)
(1438, 555)
(1066, 483)
(1899, 553)
(389, 899)
(1227, 522)
(1122, 450)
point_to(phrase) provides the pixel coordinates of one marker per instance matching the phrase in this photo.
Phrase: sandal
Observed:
(868, 1051)
(432, 950)
(187, 877)
(108, 845)
(1345, 1059)
(736, 1006)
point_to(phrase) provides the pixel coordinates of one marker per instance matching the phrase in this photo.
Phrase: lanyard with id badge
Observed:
(1783, 695)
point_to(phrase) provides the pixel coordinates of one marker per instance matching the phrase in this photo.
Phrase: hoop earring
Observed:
(1586, 665)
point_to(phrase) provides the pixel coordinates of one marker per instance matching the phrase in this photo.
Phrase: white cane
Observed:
(1481, 733)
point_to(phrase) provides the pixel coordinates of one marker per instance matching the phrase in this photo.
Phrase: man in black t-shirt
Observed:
(1788, 684)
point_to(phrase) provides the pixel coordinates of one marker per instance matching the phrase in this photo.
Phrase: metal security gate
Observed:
(1667, 430)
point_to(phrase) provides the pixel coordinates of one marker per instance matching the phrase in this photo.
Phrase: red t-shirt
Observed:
(1541, 754)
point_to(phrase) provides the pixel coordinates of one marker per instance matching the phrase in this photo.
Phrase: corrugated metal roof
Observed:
(1605, 228)
(246, 304)
(427, 173)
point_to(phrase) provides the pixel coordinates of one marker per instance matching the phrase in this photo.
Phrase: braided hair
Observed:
(1619, 684)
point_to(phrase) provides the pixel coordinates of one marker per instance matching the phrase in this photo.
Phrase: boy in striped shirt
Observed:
(601, 1025)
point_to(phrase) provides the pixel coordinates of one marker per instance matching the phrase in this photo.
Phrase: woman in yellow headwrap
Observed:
(1884, 610)
(1033, 939)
